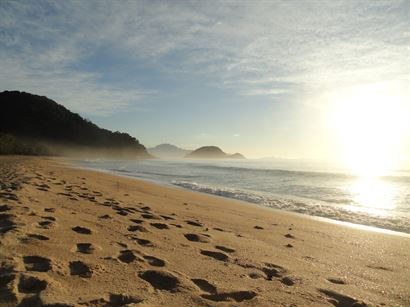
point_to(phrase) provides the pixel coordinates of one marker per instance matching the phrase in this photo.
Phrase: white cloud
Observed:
(254, 47)
(77, 90)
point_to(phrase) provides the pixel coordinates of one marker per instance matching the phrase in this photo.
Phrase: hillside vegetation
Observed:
(35, 122)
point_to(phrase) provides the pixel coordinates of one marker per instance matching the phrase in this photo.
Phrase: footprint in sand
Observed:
(9, 196)
(143, 242)
(45, 224)
(341, 300)
(379, 267)
(7, 223)
(159, 225)
(337, 281)
(79, 268)
(225, 249)
(30, 284)
(176, 225)
(85, 248)
(216, 255)
(65, 194)
(123, 245)
(106, 204)
(82, 230)
(289, 236)
(258, 227)
(204, 285)
(287, 281)
(7, 291)
(161, 280)
(113, 300)
(219, 229)
(127, 256)
(139, 228)
(272, 270)
(165, 217)
(37, 263)
(154, 261)
(150, 216)
(121, 212)
(193, 223)
(130, 209)
(104, 217)
(255, 275)
(197, 238)
(278, 272)
(137, 221)
(37, 237)
(49, 210)
(4, 208)
(214, 295)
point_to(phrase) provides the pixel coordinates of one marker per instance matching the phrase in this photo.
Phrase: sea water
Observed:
(383, 202)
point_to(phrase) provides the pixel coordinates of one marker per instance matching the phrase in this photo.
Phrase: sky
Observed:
(264, 78)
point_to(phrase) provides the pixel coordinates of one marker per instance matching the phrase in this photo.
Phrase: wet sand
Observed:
(73, 237)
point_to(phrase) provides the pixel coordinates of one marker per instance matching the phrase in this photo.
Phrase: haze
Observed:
(325, 80)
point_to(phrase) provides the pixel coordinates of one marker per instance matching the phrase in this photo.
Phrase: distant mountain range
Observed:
(212, 152)
(168, 151)
(31, 124)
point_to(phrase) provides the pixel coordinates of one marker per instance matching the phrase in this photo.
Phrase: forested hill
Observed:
(38, 120)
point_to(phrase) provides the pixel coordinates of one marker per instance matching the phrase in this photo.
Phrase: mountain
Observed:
(212, 152)
(168, 151)
(237, 156)
(28, 120)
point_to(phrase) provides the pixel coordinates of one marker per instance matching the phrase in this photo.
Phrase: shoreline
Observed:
(349, 224)
(87, 238)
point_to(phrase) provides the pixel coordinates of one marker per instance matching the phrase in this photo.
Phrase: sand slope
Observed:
(71, 237)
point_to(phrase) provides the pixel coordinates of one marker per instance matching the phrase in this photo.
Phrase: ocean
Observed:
(382, 202)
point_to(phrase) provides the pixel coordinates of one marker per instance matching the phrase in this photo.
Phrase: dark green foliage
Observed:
(10, 145)
(43, 121)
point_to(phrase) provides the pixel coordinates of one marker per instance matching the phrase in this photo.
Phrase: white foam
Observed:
(332, 211)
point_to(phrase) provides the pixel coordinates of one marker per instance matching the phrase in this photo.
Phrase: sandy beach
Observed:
(72, 237)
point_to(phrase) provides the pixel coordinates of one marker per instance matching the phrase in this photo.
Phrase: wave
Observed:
(335, 211)
(290, 173)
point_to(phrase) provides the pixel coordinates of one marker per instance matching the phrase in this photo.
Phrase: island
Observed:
(212, 152)
(168, 151)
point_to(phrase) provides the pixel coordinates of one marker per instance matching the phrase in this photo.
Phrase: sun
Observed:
(369, 122)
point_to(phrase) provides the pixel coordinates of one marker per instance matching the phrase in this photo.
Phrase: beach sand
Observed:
(72, 237)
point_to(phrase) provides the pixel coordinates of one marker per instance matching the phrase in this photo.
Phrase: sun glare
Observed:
(369, 123)
(373, 195)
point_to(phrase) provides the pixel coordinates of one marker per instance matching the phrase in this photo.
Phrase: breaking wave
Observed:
(340, 212)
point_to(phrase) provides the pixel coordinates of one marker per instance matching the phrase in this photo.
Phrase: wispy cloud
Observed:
(256, 47)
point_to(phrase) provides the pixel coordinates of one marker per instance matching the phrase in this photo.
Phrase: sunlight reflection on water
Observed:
(373, 195)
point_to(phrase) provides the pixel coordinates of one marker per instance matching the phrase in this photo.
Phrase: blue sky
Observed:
(249, 76)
